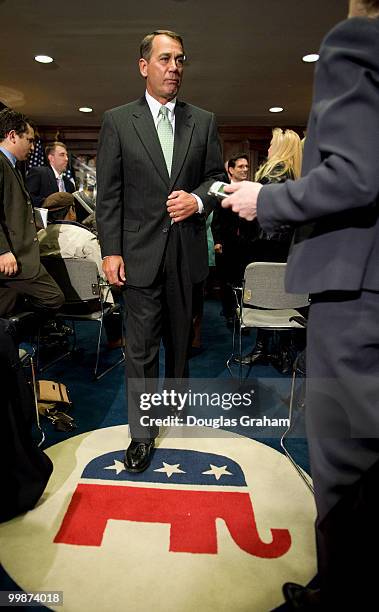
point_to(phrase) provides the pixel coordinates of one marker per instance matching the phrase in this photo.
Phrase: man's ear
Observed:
(143, 67)
(12, 136)
(71, 215)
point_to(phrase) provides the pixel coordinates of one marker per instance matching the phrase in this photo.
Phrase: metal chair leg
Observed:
(301, 473)
(122, 358)
(230, 359)
(29, 356)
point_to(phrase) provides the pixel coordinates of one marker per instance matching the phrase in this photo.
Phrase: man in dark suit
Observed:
(234, 240)
(45, 180)
(157, 158)
(335, 257)
(21, 272)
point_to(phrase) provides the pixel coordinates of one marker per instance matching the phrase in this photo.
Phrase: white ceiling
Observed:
(244, 55)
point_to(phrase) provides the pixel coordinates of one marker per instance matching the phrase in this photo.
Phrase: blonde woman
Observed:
(283, 159)
(283, 162)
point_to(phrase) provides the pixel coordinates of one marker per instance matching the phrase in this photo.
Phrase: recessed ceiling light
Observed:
(276, 109)
(44, 59)
(311, 57)
(85, 109)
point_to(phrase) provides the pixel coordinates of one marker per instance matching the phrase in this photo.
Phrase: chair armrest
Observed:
(300, 320)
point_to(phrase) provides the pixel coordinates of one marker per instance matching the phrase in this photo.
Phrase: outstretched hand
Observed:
(243, 199)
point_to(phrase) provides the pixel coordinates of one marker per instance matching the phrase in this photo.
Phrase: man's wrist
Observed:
(199, 201)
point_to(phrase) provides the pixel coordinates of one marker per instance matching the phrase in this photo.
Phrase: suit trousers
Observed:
(162, 311)
(42, 292)
(342, 417)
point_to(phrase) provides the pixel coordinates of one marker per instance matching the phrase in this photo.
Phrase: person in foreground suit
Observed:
(151, 205)
(21, 272)
(45, 180)
(335, 257)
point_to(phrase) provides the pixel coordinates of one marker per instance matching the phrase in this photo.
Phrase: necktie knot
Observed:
(163, 111)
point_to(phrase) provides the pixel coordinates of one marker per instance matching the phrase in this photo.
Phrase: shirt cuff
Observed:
(199, 203)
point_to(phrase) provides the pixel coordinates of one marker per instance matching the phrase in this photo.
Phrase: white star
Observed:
(170, 469)
(217, 472)
(118, 466)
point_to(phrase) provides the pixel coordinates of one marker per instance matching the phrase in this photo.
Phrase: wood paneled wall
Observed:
(254, 141)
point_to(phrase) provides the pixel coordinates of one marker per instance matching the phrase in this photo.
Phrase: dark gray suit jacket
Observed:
(133, 186)
(335, 206)
(17, 228)
(41, 182)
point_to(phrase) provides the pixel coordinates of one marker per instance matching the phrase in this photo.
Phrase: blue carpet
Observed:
(102, 403)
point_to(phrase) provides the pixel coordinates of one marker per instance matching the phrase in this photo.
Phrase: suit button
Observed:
(31, 221)
(35, 239)
(165, 230)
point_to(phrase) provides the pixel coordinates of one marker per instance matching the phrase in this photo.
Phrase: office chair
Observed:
(263, 303)
(81, 285)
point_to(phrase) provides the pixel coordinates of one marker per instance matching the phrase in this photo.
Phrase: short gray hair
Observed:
(147, 42)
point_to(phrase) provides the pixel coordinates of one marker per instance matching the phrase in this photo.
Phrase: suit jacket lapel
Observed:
(52, 180)
(145, 128)
(184, 125)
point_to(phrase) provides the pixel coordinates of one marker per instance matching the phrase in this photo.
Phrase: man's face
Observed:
(240, 170)
(59, 159)
(164, 69)
(23, 145)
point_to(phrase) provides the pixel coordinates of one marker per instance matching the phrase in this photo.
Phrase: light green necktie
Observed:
(166, 136)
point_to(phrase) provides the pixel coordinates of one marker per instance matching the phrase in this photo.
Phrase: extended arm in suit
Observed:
(345, 123)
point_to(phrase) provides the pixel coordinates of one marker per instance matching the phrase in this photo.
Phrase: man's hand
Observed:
(8, 264)
(181, 205)
(243, 199)
(114, 270)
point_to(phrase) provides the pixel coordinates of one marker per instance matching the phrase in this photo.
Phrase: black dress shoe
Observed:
(301, 598)
(138, 455)
(257, 355)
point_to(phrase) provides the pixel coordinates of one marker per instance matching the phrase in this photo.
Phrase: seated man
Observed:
(64, 237)
(45, 180)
